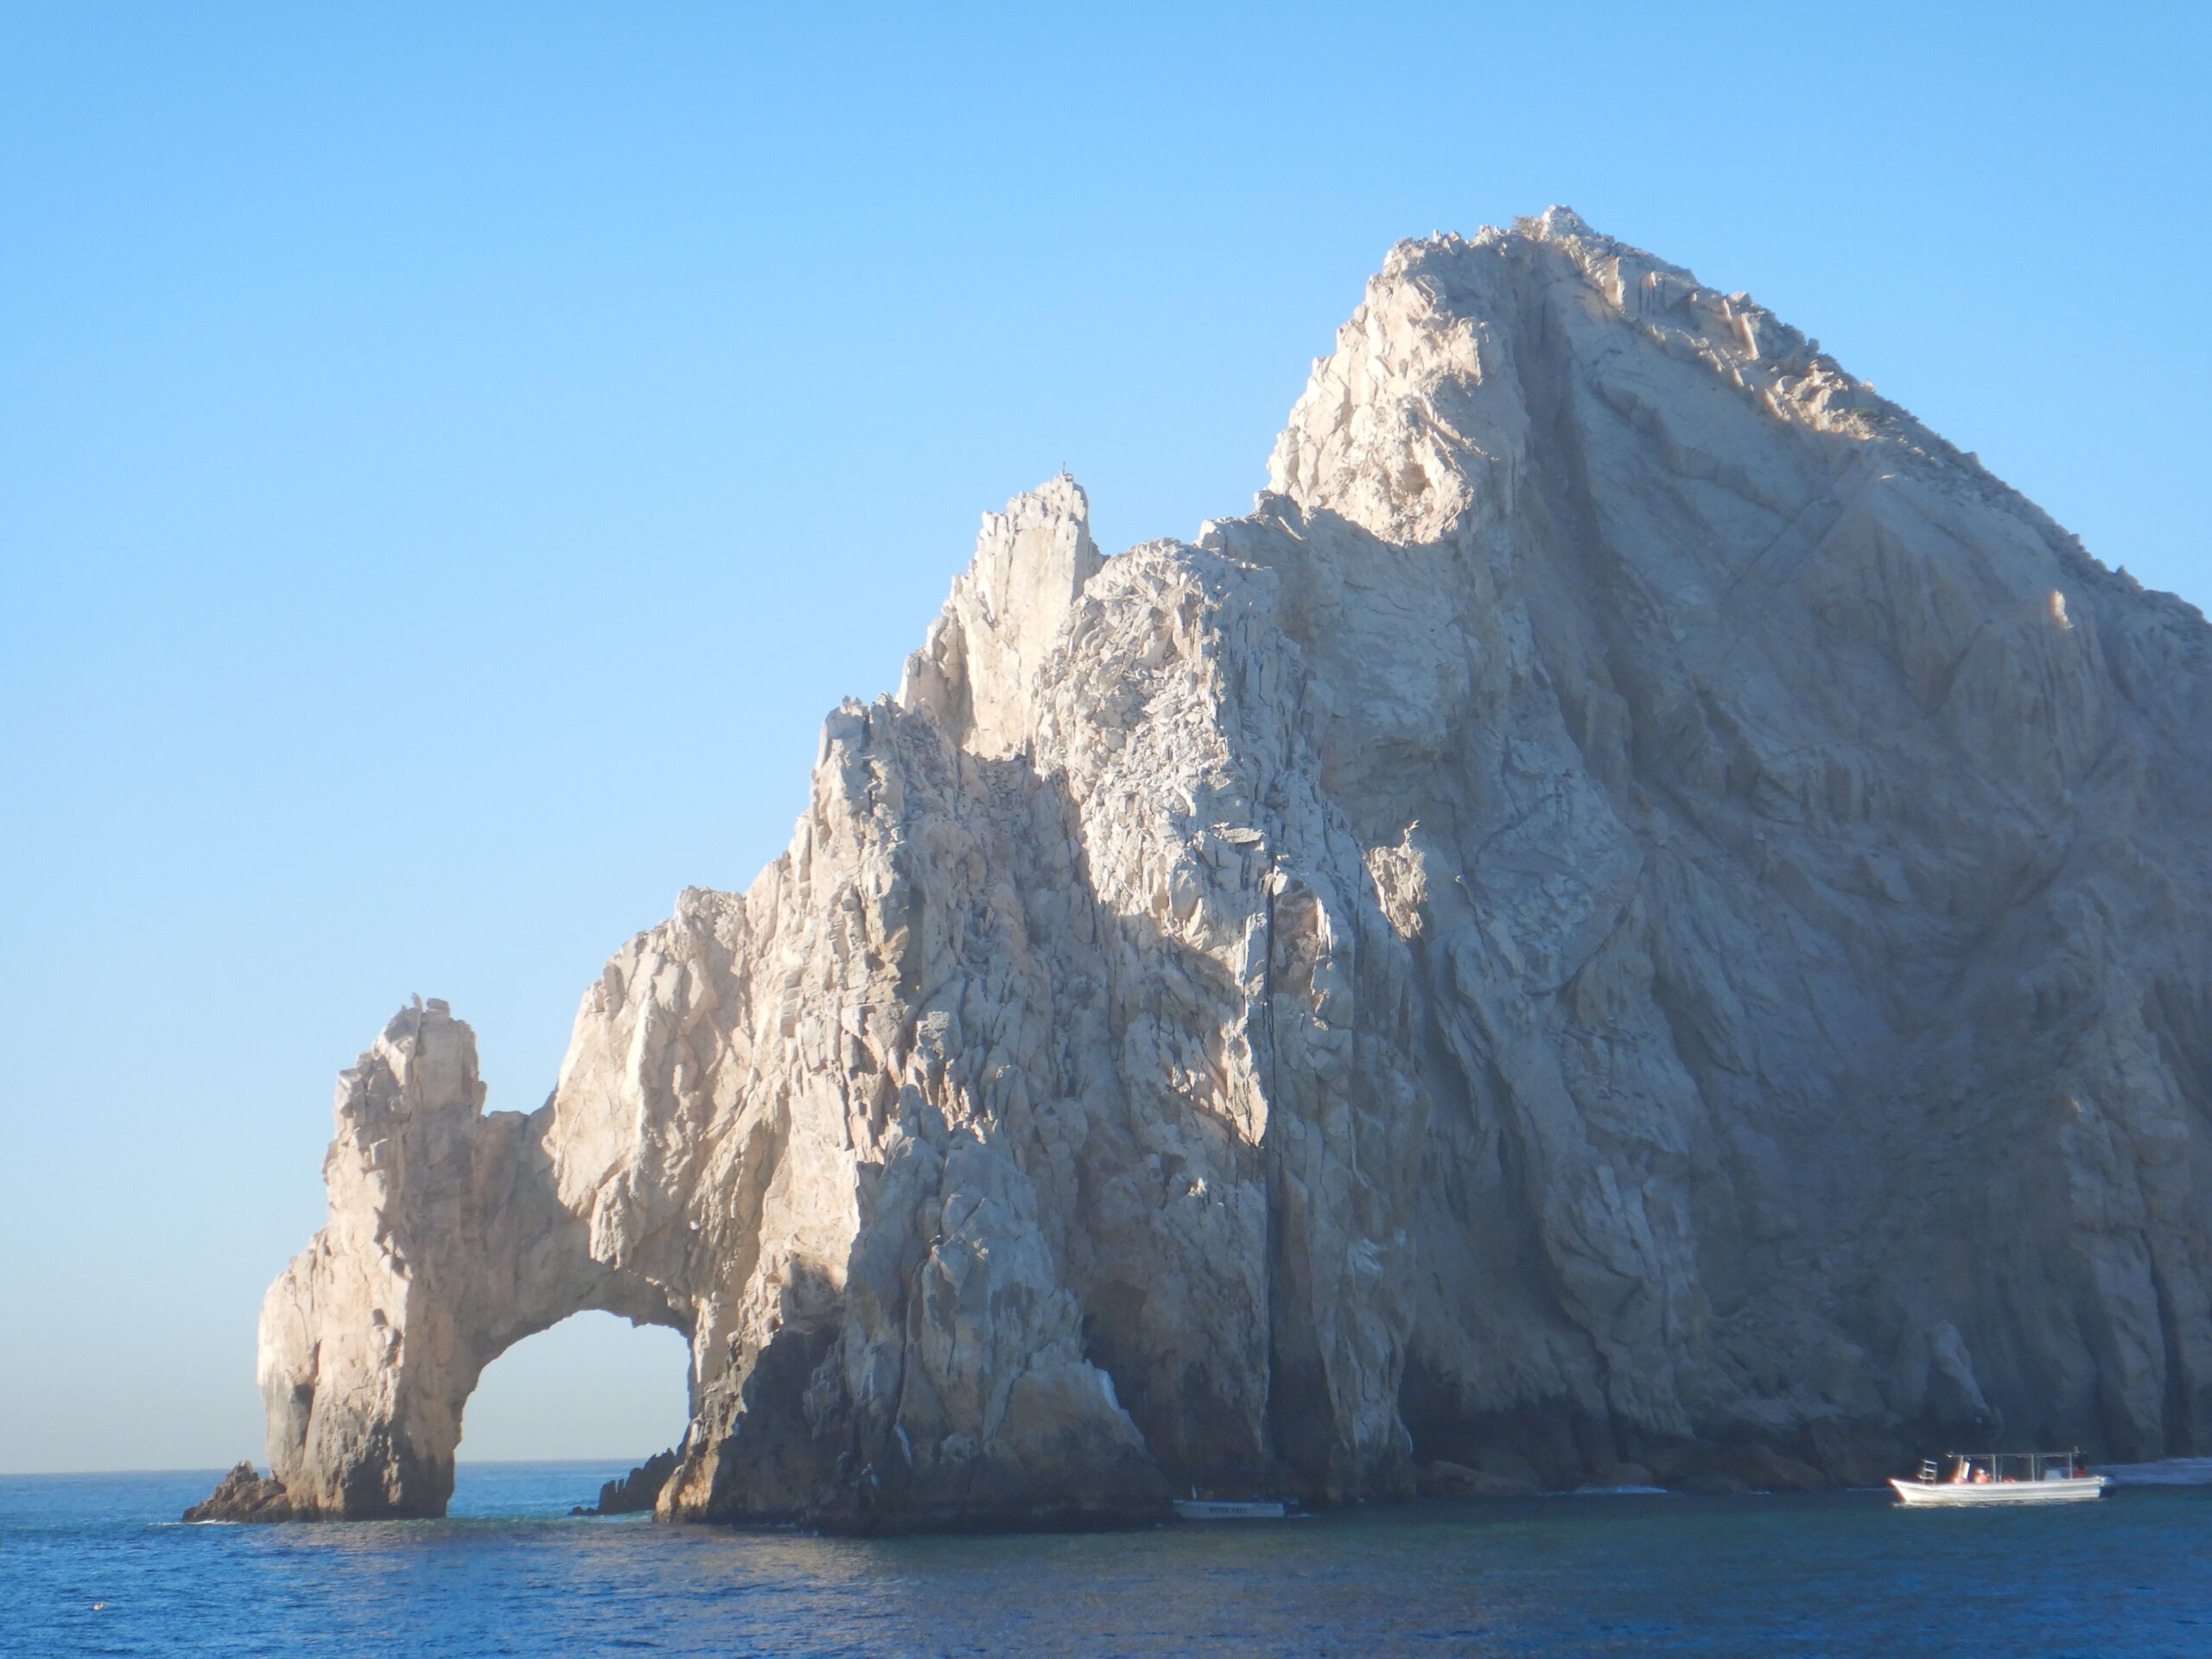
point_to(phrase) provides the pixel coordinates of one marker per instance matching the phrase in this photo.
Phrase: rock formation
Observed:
(244, 1495)
(637, 1492)
(1641, 909)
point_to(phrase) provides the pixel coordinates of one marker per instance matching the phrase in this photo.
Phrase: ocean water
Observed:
(95, 1563)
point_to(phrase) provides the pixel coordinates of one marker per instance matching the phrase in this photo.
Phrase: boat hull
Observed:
(1215, 1509)
(1983, 1495)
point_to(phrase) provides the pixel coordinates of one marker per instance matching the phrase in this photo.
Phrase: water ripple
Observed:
(95, 1565)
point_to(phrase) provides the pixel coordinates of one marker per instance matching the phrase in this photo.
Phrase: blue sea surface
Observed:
(95, 1564)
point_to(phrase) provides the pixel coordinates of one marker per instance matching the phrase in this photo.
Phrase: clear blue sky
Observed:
(451, 457)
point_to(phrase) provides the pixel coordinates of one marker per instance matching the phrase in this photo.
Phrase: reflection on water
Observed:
(1843, 1574)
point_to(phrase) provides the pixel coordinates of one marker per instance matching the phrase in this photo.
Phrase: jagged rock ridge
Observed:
(637, 1492)
(1640, 909)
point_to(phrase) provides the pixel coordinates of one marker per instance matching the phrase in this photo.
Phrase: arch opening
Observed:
(561, 1412)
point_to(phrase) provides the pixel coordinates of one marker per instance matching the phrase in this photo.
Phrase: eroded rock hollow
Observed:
(1641, 909)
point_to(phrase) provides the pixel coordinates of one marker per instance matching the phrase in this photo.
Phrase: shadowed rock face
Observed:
(637, 1492)
(1641, 910)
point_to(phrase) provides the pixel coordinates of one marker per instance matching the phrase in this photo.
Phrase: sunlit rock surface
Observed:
(1641, 910)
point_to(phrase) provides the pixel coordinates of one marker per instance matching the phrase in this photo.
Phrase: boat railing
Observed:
(2003, 1468)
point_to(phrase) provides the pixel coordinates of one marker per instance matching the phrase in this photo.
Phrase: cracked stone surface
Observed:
(1641, 910)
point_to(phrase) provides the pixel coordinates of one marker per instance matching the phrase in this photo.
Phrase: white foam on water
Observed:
(2170, 1472)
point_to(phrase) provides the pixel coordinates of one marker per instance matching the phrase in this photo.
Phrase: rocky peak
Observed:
(1417, 425)
(976, 668)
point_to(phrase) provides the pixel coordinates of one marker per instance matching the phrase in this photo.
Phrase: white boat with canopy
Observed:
(1213, 1506)
(1975, 1479)
(1230, 1509)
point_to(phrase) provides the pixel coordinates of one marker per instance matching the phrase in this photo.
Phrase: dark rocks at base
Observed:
(1841, 1456)
(1559, 1449)
(244, 1495)
(1499, 1457)
(1503, 1463)
(1447, 1480)
(1854, 1454)
(637, 1491)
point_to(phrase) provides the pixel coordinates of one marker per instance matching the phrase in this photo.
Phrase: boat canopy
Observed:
(1981, 1467)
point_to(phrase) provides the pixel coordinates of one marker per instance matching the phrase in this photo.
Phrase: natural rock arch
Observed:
(446, 1245)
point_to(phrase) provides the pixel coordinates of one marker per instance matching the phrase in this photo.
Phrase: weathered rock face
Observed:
(1641, 909)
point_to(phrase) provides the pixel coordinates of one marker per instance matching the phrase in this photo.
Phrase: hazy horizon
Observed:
(453, 462)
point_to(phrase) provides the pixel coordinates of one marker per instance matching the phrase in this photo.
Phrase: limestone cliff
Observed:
(1641, 908)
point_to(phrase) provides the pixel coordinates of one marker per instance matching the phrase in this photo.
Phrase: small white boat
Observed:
(1975, 1480)
(1225, 1508)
